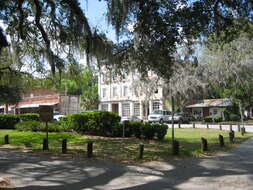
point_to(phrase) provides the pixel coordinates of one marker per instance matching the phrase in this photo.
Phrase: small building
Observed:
(30, 102)
(209, 107)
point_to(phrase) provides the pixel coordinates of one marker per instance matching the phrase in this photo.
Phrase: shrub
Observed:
(234, 117)
(148, 130)
(8, 121)
(29, 117)
(211, 119)
(96, 123)
(160, 130)
(40, 126)
(117, 130)
(136, 128)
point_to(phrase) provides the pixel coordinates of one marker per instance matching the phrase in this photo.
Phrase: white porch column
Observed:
(109, 107)
(120, 109)
(150, 106)
(99, 107)
(131, 109)
(141, 110)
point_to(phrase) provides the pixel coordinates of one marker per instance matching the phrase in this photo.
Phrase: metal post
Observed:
(141, 150)
(172, 122)
(6, 139)
(45, 144)
(221, 141)
(175, 147)
(64, 146)
(89, 149)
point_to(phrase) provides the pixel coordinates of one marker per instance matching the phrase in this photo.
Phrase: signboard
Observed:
(46, 113)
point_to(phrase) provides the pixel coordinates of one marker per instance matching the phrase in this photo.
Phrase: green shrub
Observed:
(29, 117)
(211, 119)
(40, 126)
(8, 121)
(234, 117)
(147, 130)
(136, 128)
(117, 130)
(160, 130)
(96, 123)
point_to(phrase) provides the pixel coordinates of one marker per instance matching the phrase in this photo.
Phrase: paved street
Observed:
(227, 171)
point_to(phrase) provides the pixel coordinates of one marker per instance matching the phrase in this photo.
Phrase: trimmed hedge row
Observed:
(141, 130)
(36, 126)
(211, 119)
(100, 123)
(8, 121)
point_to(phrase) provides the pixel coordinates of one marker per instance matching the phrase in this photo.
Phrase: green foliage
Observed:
(97, 123)
(29, 117)
(8, 121)
(160, 130)
(148, 130)
(89, 97)
(211, 119)
(37, 126)
(234, 117)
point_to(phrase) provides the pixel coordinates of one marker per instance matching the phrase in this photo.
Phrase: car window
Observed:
(157, 112)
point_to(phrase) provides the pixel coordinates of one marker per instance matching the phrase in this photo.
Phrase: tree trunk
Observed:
(241, 112)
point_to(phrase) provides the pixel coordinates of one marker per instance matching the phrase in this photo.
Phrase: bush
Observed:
(234, 117)
(29, 117)
(211, 119)
(36, 126)
(96, 123)
(148, 130)
(8, 121)
(160, 130)
(136, 128)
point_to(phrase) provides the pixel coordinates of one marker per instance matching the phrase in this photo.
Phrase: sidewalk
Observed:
(227, 171)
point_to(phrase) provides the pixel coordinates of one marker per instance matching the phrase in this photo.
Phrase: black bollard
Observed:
(207, 126)
(204, 145)
(179, 125)
(141, 151)
(6, 139)
(231, 136)
(175, 147)
(243, 131)
(220, 127)
(193, 125)
(64, 146)
(221, 140)
(45, 144)
(89, 149)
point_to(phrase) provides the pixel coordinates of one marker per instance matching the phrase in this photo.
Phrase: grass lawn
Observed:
(126, 149)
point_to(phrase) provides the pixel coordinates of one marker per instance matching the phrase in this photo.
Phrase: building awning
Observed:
(212, 103)
(36, 105)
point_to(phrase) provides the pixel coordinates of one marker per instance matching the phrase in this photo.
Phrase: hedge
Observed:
(141, 130)
(36, 126)
(8, 121)
(211, 119)
(29, 117)
(96, 123)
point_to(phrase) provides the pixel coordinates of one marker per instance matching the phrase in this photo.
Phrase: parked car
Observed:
(159, 116)
(57, 116)
(181, 118)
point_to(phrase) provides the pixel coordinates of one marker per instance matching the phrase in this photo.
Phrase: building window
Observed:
(156, 105)
(114, 91)
(125, 91)
(136, 109)
(104, 92)
(156, 91)
(104, 107)
(126, 110)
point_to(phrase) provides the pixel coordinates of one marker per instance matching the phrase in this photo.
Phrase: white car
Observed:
(57, 117)
(159, 116)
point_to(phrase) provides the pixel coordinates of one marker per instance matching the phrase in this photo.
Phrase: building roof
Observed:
(212, 103)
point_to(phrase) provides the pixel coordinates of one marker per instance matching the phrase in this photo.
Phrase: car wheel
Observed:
(161, 121)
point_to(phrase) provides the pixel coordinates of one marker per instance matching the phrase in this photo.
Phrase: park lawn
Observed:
(126, 149)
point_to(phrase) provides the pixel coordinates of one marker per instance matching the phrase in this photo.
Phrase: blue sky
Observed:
(95, 11)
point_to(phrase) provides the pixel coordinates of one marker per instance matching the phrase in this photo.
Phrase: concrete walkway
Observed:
(227, 171)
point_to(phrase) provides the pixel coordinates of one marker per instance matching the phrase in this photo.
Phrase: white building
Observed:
(129, 97)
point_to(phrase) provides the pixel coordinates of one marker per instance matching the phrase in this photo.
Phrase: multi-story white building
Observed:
(128, 96)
